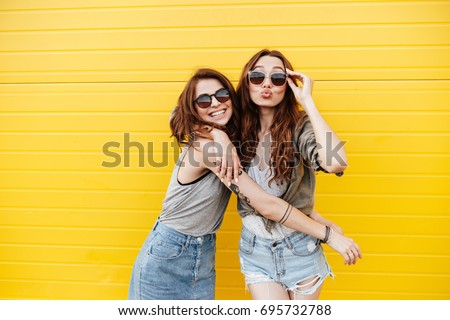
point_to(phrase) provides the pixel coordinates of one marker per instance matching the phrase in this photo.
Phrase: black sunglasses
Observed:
(205, 100)
(257, 77)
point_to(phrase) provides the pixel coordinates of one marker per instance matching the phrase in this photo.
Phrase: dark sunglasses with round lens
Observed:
(205, 100)
(258, 77)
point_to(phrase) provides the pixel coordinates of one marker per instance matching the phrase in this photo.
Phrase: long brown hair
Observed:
(287, 116)
(185, 121)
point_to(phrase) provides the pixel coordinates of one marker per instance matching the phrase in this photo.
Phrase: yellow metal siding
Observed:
(77, 74)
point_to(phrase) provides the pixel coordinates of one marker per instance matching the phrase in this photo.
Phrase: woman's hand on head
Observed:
(304, 91)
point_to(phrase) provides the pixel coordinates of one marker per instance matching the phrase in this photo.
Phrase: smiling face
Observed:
(266, 94)
(218, 113)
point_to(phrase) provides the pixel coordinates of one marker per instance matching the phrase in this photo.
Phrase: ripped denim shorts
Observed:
(288, 261)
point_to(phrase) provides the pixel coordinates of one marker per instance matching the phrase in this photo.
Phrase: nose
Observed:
(267, 83)
(214, 102)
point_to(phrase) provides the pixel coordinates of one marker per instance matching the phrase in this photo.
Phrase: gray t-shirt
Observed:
(195, 208)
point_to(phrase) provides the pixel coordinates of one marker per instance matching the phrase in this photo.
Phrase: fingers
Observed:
(226, 170)
(303, 78)
(229, 166)
(292, 84)
(351, 258)
(236, 167)
(222, 169)
(229, 154)
(353, 253)
(229, 175)
(306, 81)
(295, 74)
(346, 247)
(357, 251)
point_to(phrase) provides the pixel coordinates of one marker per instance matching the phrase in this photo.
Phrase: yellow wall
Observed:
(77, 74)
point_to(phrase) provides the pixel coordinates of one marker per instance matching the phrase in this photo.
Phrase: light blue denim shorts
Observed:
(174, 266)
(287, 261)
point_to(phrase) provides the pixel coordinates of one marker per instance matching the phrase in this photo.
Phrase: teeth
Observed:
(217, 113)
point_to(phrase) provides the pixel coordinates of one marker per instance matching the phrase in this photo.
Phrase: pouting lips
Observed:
(266, 94)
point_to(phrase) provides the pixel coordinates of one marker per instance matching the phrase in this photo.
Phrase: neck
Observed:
(266, 119)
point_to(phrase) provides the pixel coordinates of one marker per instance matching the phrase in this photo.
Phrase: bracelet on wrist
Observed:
(328, 232)
(331, 234)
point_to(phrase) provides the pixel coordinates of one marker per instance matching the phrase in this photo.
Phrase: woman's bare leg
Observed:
(268, 291)
(305, 285)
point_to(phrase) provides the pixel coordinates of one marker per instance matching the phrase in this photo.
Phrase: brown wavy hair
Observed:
(286, 118)
(185, 123)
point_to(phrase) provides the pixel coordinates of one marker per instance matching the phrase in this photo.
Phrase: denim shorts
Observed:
(287, 261)
(174, 266)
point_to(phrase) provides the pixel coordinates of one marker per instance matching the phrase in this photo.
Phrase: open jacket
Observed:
(300, 191)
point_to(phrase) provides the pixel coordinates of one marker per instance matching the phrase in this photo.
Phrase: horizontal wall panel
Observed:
(157, 182)
(383, 282)
(384, 244)
(376, 244)
(321, 13)
(68, 254)
(92, 162)
(227, 293)
(52, 217)
(369, 263)
(330, 294)
(159, 122)
(82, 199)
(150, 143)
(150, 65)
(391, 122)
(162, 97)
(386, 282)
(88, 122)
(371, 224)
(342, 203)
(383, 203)
(156, 97)
(158, 60)
(408, 264)
(382, 95)
(73, 237)
(15, 289)
(85, 4)
(388, 164)
(231, 37)
(137, 181)
(411, 143)
(55, 272)
(419, 225)
(330, 73)
(385, 184)
(64, 290)
(154, 143)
